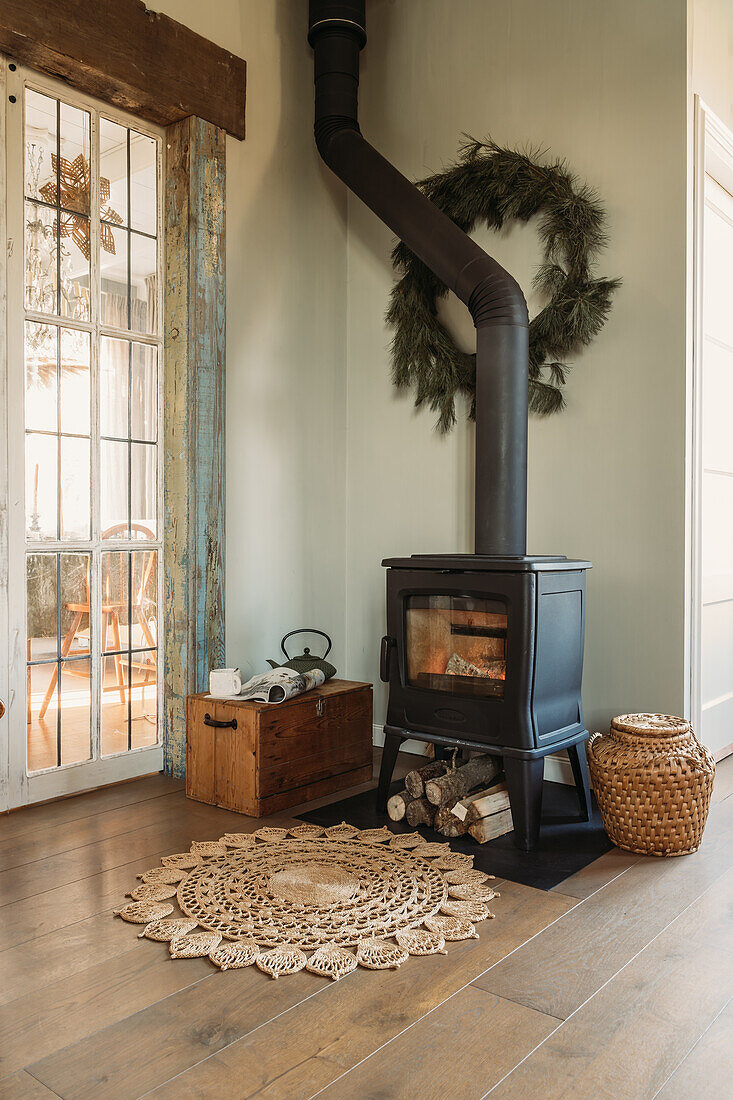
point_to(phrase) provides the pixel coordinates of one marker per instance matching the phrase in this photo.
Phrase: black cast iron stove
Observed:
(483, 651)
(487, 653)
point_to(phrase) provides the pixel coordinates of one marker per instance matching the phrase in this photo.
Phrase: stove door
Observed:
(463, 654)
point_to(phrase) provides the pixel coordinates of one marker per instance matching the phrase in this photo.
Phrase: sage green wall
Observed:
(286, 341)
(603, 84)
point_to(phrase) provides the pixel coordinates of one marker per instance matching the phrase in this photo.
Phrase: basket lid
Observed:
(651, 725)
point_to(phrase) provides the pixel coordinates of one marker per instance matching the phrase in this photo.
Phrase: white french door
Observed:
(712, 667)
(82, 408)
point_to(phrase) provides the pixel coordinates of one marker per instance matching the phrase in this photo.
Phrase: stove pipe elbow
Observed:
(337, 33)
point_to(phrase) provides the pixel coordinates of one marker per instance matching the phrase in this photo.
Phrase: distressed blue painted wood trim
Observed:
(195, 316)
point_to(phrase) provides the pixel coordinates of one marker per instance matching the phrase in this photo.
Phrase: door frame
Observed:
(192, 444)
(712, 155)
(66, 779)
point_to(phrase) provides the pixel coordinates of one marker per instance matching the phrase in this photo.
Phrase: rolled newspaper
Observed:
(277, 686)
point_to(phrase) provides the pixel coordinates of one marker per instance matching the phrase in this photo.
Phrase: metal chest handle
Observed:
(209, 721)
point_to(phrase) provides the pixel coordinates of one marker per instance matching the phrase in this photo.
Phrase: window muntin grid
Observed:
(78, 295)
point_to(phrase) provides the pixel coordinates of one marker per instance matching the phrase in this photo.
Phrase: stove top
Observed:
(486, 563)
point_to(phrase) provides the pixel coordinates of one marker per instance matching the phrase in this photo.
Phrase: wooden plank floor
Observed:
(619, 982)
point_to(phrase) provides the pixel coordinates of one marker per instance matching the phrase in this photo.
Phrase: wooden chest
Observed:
(259, 758)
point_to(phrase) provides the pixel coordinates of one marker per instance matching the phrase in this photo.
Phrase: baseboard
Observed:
(557, 768)
(416, 748)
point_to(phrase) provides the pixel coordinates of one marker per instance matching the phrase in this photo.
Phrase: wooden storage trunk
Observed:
(278, 755)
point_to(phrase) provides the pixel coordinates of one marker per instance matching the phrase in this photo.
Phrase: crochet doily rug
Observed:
(327, 900)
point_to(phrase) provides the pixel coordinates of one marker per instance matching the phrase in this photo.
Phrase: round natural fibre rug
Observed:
(327, 900)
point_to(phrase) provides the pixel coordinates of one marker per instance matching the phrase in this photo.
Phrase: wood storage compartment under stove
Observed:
(278, 755)
(485, 653)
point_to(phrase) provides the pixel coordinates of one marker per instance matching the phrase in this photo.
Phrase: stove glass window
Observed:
(456, 644)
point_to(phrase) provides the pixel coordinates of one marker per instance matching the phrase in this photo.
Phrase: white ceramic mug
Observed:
(224, 682)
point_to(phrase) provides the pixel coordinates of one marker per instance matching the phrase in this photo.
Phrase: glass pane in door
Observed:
(41, 122)
(456, 644)
(130, 643)
(58, 616)
(143, 184)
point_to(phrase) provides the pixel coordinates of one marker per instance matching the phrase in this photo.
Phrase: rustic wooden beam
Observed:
(139, 60)
(194, 420)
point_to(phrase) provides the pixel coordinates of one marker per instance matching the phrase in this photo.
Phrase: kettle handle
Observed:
(306, 630)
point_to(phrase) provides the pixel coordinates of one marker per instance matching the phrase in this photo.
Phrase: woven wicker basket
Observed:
(653, 780)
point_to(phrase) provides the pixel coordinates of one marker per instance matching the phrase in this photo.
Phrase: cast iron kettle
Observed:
(304, 663)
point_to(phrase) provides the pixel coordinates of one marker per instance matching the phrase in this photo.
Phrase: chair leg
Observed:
(524, 780)
(65, 647)
(49, 693)
(579, 764)
(115, 620)
(148, 634)
(145, 627)
(392, 742)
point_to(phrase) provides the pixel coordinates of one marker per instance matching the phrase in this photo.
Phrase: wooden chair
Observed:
(111, 610)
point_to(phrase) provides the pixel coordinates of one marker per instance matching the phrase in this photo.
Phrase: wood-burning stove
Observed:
(487, 653)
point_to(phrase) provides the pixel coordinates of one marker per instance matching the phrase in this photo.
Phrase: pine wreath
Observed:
(495, 185)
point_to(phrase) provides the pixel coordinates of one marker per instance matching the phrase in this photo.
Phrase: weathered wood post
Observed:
(194, 389)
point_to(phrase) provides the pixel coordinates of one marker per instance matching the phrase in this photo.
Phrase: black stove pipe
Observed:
(337, 33)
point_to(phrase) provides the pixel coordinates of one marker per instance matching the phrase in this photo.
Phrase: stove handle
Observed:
(388, 644)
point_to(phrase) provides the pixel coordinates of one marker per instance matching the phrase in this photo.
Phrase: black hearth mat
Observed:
(566, 844)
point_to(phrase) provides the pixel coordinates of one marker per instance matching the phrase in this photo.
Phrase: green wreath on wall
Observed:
(497, 186)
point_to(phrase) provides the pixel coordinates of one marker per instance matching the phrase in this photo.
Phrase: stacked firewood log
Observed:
(456, 800)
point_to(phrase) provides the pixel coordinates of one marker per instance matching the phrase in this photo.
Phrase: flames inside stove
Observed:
(456, 644)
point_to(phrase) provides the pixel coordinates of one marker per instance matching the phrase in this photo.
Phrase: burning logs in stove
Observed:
(458, 666)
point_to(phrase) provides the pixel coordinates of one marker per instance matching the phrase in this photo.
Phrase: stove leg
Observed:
(579, 765)
(392, 742)
(524, 780)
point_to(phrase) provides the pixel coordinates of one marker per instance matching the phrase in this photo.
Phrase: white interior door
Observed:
(716, 489)
(82, 412)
